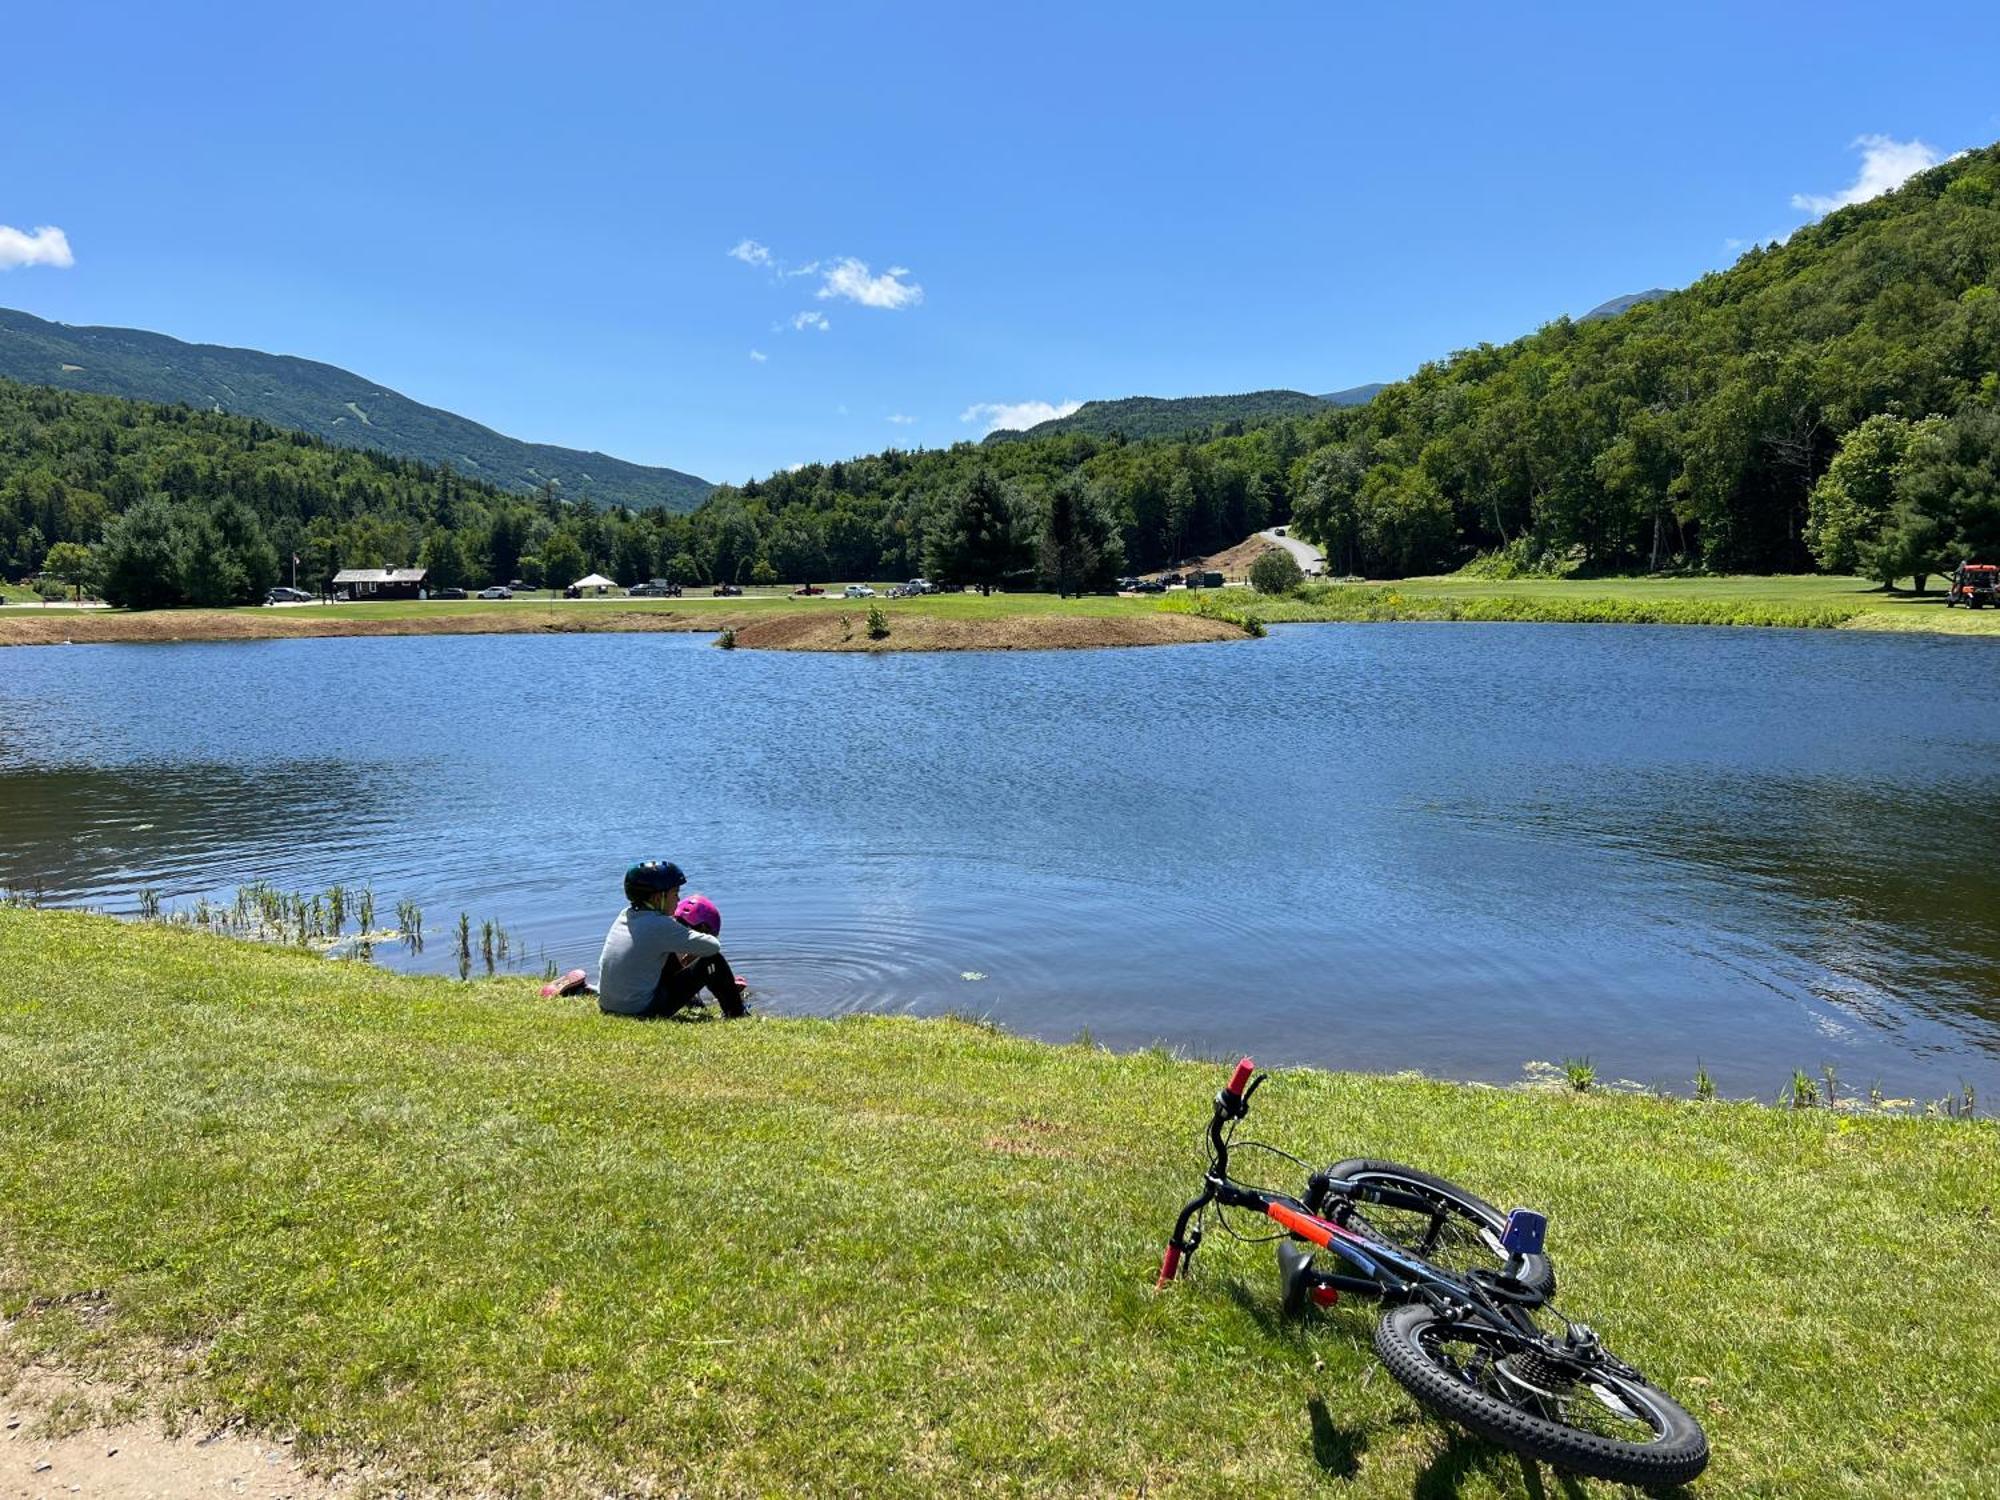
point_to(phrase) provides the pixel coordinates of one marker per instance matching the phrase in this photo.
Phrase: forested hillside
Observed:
(1136, 418)
(324, 400)
(179, 506)
(1832, 402)
(1698, 431)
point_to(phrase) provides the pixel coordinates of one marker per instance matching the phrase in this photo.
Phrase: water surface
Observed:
(1448, 847)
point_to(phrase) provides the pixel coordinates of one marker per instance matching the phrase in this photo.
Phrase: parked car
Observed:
(288, 596)
(807, 591)
(920, 586)
(654, 588)
(496, 591)
(1148, 586)
(1279, 532)
(1171, 579)
(728, 590)
(452, 593)
(858, 591)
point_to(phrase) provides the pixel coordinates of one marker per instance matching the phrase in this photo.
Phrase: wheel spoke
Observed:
(1540, 1380)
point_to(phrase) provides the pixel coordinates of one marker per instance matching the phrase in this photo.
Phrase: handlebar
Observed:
(1239, 1078)
(1233, 1103)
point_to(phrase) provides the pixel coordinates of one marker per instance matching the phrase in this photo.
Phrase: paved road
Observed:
(1306, 554)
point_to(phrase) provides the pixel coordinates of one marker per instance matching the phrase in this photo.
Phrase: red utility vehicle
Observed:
(1975, 585)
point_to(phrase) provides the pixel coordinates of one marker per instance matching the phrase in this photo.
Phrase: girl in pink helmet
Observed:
(686, 975)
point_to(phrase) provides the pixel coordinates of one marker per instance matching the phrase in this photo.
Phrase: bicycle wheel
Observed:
(1460, 1232)
(1522, 1393)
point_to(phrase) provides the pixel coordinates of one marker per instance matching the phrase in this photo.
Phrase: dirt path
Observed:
(1305, 553)
(61, 1437)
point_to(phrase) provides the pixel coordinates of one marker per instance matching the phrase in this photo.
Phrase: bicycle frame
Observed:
(1376, 1270)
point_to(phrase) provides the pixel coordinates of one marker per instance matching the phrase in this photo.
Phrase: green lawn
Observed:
(959, 606)
(1786, 600)
(1802, 600)
(476, 1238)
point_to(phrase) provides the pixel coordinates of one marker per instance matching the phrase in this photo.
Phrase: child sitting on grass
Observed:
(662, 951)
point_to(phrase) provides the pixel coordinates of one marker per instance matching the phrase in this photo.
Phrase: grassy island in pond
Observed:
(463, 1238)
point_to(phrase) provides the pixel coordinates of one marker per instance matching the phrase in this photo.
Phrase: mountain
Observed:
(1138, 417)
(1354, 395)
(1618, 305)
(1827, 402)
(324, 400)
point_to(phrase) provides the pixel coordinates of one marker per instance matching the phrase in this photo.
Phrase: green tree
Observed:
(1951, 474)
(1181, 503)
(1856, 495)
(1276, 572)
(247, 556)
(443, 560)
(138, 557)
(205, 571)
(70, 563)
(562, 560)
(979, 539)
(1079, 549)
(733, 545)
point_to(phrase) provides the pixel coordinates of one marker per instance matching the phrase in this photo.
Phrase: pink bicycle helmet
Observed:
(698, 912)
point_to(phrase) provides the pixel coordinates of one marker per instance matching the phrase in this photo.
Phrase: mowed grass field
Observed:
(961, 621)
(1804, 601)
(460, 1238)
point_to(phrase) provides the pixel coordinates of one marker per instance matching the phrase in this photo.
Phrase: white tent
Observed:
(595, 581)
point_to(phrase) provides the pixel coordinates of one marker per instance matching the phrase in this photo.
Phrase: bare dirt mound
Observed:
(919, 632)
(1235, 561)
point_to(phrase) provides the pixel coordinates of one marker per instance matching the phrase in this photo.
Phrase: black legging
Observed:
(680, 983)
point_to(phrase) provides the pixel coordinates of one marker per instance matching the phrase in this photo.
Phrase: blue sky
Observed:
(529, 219)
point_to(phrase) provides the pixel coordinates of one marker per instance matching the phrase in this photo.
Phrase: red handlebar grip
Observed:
(1240, 1078)
(1168, 1267)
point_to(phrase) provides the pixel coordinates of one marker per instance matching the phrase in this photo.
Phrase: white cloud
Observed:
(901, 419)
(1885, 165)
(751, 253)
(1015, 416)
(758, 356)
(802, 321)
(47, 246)
(848, 278)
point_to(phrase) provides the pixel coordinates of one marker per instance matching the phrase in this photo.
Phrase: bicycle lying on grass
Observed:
(1470, 1331)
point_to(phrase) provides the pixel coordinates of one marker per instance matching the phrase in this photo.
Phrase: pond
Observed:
(1455, 848)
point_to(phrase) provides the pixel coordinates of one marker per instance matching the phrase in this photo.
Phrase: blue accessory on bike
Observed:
(1525, 1232)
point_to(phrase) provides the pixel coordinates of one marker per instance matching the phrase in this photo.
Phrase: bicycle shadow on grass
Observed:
(1465, 1456)
(1336, 1449)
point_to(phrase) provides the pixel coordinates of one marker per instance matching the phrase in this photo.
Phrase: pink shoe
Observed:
(575, 982)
